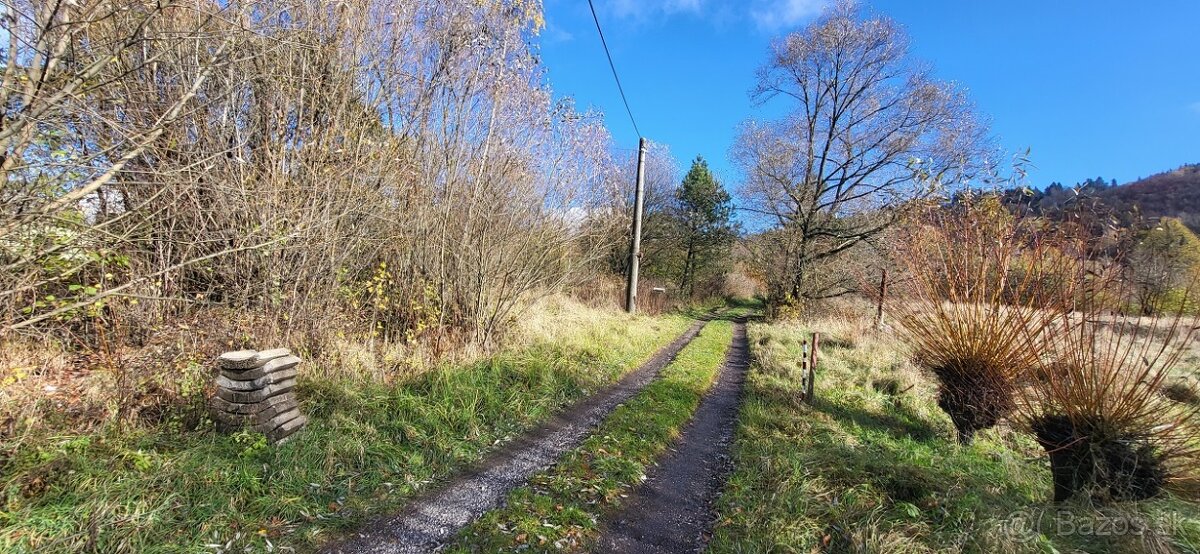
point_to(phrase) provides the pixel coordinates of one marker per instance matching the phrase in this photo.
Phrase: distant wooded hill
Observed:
(1173, 193)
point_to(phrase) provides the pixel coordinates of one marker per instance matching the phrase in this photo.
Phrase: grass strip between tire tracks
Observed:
(559, 510)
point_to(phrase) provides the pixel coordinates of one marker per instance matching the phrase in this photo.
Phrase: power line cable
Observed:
(614, 68)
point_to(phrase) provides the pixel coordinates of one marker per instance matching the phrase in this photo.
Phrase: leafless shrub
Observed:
(366, 172)
(981, 290)
(1100, 413)
(395, 167)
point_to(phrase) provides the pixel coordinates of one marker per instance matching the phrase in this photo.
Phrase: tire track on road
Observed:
(431, 519)
(672, 512)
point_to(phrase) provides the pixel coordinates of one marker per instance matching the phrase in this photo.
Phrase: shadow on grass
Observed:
(899, 462)
(731, 309)
(754, 303)
(899, 421)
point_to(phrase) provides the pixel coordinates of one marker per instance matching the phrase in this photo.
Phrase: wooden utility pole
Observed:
(635, 250)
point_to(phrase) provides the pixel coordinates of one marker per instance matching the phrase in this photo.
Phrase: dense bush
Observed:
(362, 167)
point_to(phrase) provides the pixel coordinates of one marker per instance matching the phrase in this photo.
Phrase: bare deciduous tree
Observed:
(869, 129)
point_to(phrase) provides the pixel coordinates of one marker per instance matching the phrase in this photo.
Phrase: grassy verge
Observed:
(164, 488)
(873, 467)
(560, 508)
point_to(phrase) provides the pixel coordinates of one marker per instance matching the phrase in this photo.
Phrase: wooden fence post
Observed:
(882, 293)
(809, 388)
(804, 373)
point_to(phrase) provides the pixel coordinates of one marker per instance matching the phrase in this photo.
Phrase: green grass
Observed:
(724, 308)
(867, 471)
(367, 449)
(560, 508)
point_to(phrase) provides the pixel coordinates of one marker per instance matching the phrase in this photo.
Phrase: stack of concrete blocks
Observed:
(255, 390)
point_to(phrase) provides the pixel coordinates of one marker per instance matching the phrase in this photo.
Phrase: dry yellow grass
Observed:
(865, 469)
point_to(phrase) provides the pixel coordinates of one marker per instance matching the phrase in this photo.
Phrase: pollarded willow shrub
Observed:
(973, 301)
(1098, 410)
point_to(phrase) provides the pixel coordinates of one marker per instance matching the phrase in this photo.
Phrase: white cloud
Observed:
(778, 14)
(555, 34)
(1195, 107)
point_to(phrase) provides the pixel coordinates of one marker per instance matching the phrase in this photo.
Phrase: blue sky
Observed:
(1095, 88)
